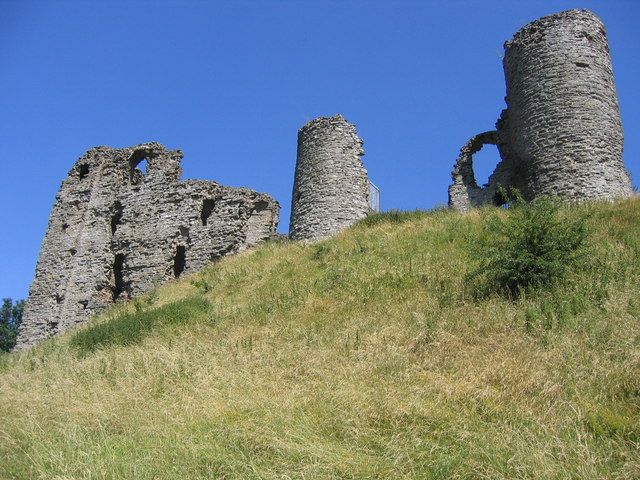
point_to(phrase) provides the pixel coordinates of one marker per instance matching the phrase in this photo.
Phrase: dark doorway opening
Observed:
(84, 171)
(119, 285)
(179, 261)
(116, 217)
(208, 205)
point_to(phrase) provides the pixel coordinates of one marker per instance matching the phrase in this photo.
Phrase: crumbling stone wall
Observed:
(561, 132)
(116, 231)
(331, 187)
(465, 191)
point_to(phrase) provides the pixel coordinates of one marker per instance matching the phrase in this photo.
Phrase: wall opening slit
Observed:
(119, 285)
(208, 205)
(116, 217)
(179, 261)
(138, 167)
(83, 171)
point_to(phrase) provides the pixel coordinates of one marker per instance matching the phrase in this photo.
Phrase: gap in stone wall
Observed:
(84, 171)
(116, 217)
(484, 163)
(208, 204)
(139, 168)
(179, 261)
(119, 285)
(259, 207)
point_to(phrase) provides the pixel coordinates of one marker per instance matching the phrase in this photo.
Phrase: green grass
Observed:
(129, 328)
(363, 356)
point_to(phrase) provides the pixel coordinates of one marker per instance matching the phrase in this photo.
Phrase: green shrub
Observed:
(532, 245)
(131, 328)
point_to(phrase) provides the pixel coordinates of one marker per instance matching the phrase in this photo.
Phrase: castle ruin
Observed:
(561, 132)
(331, 188)
(116, 231)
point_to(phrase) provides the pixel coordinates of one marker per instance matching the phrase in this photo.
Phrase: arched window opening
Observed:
(119, 285)
(139, 167)
(83, 171)
(484, 163)
(179, 261)
(116, 218)
(208, 204)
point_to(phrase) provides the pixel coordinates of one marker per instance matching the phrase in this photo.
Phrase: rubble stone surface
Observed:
(561, 132)
(331, 187)
(116, 231)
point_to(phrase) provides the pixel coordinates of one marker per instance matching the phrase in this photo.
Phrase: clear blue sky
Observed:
(231, 82)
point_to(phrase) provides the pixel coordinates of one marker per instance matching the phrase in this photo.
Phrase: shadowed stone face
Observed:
(561, 132)
(118, 230)
(331, 187)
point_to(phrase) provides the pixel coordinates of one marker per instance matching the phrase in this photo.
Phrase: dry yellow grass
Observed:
(362, 356)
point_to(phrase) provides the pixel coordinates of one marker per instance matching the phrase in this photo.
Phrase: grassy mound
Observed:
(363, 356)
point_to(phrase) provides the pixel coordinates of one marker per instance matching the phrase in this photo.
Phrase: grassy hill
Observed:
(363, 356)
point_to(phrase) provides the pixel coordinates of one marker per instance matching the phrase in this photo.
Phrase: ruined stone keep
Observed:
(561, 132)
(116, 231)
(331, 187)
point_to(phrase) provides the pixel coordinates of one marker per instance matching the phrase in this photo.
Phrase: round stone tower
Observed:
(561, 133)
(331, 187)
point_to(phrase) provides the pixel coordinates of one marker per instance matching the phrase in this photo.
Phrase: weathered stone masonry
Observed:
(116, 231)
(561, 132)
(331, 187)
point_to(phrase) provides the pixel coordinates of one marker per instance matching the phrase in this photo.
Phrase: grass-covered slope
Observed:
(363, 356)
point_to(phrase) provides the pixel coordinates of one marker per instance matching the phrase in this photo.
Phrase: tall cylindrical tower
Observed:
(561, 133)
(331, 187)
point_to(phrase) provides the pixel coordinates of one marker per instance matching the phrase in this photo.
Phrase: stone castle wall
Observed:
(561, 132)
(331, 187)
(116, 231)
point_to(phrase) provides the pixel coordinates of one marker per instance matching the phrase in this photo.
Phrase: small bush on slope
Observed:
(535, 245)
